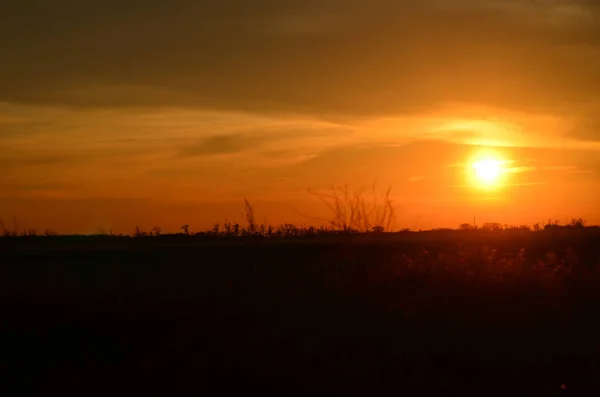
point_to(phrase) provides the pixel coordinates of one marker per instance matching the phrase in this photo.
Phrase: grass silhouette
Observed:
(349, 307)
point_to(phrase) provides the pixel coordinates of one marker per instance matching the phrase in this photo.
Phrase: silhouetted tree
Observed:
(492, 226)
(551, 225)
(578, 222)
(466, 226)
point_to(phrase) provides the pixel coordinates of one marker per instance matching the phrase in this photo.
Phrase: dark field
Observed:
(414, 314)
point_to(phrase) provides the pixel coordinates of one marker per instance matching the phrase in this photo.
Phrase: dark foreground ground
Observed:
(410, 316)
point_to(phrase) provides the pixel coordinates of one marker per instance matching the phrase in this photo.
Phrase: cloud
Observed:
(274, 139)
(587, 127)
(9, 120)
(320, 57)
(223, 144)
(8, 161)
(36, 188)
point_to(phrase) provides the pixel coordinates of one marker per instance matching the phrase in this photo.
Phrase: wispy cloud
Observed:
(294, 57)
(223, 144)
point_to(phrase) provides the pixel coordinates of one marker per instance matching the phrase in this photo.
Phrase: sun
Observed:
(488, 171)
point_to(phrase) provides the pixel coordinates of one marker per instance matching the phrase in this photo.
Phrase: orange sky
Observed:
(113, 117)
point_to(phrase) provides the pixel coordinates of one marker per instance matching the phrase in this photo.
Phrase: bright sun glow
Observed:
(488, 171)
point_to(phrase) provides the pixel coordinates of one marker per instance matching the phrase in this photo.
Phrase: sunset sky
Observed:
(143, 112)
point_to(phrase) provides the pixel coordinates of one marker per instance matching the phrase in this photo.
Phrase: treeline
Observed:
(287, 230)
(550, 225)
